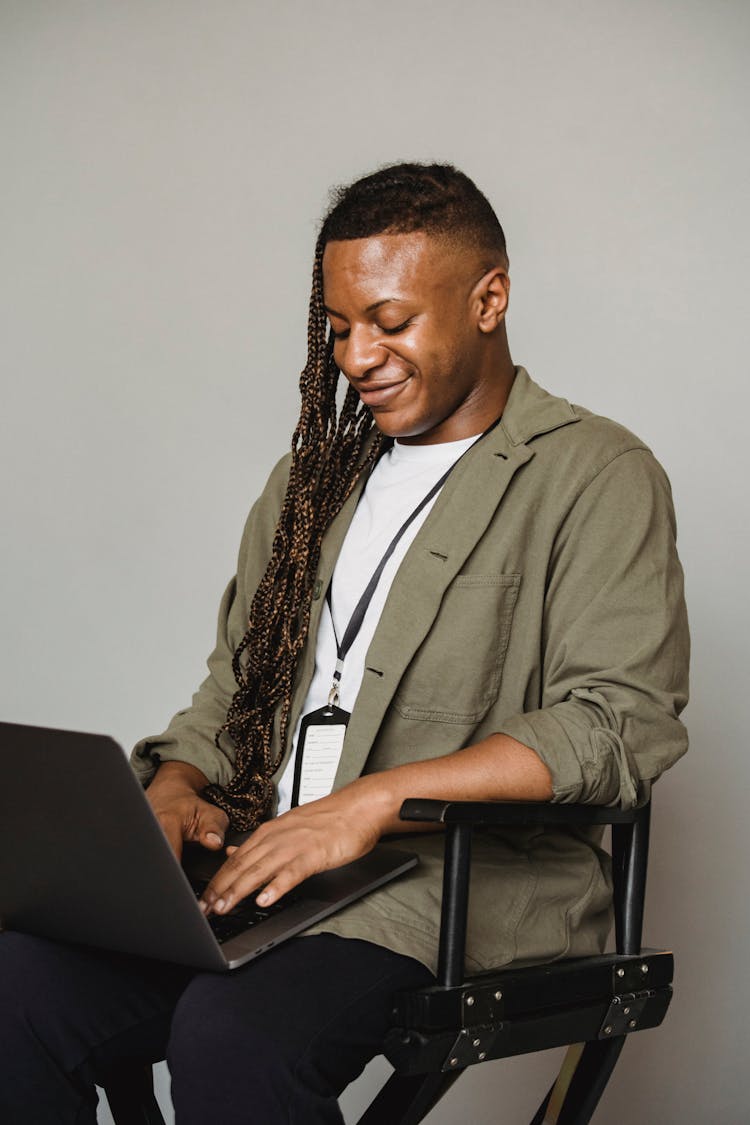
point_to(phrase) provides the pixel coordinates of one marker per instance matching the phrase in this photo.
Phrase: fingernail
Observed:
(219, 905)
(202, 906)
(214, 838)
(263, 898)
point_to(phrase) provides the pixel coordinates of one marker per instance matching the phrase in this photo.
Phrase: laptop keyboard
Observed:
(227, 926)
(243, 916)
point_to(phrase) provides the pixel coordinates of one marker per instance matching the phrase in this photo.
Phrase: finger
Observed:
(221, 900)
(245, 871)
(274, 879)
(212, 826)
(269, 851)
(285, 881)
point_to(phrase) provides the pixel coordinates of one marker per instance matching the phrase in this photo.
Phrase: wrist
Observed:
(178, 777)
(379, 799)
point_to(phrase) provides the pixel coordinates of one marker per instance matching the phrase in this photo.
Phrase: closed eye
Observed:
(343, 335)
(389, 332)
(398, 328)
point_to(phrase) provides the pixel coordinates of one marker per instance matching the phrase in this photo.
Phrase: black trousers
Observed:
(275, 1041)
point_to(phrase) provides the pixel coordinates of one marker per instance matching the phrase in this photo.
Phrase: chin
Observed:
(398, 427)
(413, 432)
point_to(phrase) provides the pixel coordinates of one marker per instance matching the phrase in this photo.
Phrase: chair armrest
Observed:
(630, 833)
(516, 813)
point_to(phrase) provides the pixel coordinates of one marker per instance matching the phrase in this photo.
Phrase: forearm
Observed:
(347, 824)
(498, 768)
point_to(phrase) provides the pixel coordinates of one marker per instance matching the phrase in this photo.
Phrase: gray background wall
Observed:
(164, 166)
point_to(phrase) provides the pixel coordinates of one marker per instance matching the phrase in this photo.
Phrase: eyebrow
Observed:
(370, 308)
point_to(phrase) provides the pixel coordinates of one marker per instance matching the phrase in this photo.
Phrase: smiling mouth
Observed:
(380, 394)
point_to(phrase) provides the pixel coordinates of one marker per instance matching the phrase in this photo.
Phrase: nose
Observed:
(359, 353)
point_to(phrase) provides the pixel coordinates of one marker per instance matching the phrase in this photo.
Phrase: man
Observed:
(483, 580)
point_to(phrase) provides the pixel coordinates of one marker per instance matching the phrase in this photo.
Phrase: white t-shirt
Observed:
(401, 479)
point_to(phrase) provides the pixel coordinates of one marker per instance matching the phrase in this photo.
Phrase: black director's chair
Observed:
(588, 1003)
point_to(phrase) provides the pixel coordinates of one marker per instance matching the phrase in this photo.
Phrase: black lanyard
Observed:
(358, 616)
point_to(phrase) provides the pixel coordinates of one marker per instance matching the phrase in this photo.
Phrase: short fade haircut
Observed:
(403, 198)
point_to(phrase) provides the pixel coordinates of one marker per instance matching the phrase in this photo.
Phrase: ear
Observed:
(491, 295)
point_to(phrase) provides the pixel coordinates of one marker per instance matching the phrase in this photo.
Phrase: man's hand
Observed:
(308, 839)
(348, 823)
(182, 813)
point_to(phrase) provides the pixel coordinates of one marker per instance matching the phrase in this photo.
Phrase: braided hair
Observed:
(331, 448)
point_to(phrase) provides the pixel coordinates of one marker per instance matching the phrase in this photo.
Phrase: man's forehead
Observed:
(399, 262)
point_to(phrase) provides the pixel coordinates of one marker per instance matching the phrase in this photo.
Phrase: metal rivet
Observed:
(644, 967)
(454, 1062)
(498, 995)
(608, 1031)
(469, 1000)
(477, 1042)
(621, 972)
(632, 1023)
(626, 1011)
(482, 1056)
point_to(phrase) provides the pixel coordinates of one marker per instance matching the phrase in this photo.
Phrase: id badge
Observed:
(319, 746)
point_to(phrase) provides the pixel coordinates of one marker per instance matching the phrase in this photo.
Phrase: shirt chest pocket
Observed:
(455, 675)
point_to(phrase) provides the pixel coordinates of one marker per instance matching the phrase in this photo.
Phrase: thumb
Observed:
(213, 826)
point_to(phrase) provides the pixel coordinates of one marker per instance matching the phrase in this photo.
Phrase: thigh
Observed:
(68, 1011)
(287, 1033)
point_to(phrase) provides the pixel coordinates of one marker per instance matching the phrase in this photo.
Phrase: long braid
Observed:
(328, 455)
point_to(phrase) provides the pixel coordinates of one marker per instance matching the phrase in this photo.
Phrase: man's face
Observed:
(404, 313)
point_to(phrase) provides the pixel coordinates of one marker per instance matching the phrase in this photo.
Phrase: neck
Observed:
(498, 373)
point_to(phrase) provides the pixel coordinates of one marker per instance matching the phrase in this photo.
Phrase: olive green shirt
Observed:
(542, 598)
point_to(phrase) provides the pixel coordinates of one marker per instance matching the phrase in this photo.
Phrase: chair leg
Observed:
(583, 1076)
(541, 1114)
(130, 1093)
(549, 1110)
(406, 1099)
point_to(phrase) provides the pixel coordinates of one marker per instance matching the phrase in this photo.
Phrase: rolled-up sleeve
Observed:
(616, 642)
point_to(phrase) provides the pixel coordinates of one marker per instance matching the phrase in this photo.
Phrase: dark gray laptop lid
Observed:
(83, 859)
(82, 856)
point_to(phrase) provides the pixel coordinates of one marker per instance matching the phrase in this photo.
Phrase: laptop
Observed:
(83, 859)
